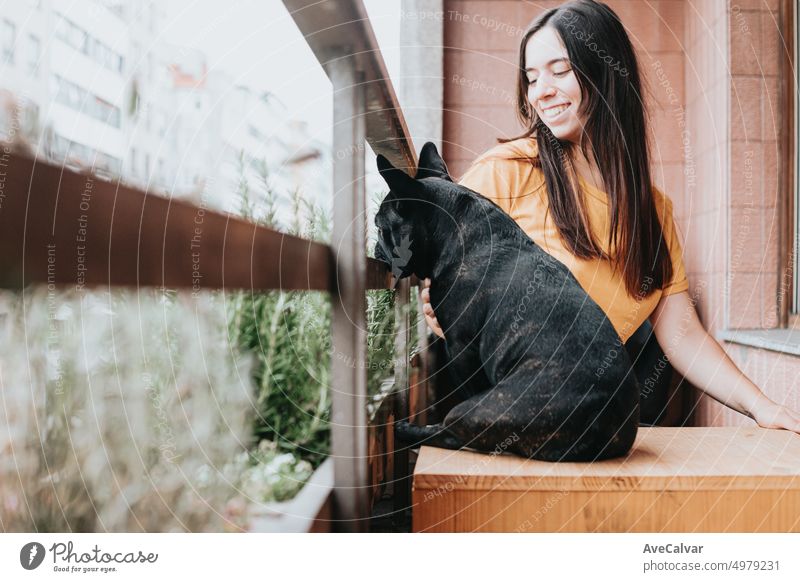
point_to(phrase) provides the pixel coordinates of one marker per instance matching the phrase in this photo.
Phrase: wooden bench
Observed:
(674, 480)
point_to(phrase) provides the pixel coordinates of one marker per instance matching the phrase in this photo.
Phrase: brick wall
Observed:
(731, 216)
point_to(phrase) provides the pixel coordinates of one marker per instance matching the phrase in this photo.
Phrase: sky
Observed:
(258, 44)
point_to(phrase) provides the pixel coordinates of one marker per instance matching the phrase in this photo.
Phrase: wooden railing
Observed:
(61, 227)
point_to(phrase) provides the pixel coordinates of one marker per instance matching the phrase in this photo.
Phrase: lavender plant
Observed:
(120, 411)
(288, 333)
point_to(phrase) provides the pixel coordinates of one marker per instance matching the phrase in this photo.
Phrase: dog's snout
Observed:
(380, 254)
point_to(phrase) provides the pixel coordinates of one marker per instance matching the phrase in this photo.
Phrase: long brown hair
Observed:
(615, 115)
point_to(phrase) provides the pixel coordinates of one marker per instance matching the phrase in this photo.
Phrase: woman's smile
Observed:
(554, 112)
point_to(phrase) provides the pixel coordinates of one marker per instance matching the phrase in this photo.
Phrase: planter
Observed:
(311, 509)
(307, 512)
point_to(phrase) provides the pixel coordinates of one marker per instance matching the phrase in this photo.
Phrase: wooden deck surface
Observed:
(674, 479)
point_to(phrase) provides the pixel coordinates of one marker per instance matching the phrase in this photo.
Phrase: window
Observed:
(34, 50)
(81, 100)
(81, 155)
(134, 164)
(253, 131)
(30, 119)
(80, 40)
(62, 28)
(8, 33)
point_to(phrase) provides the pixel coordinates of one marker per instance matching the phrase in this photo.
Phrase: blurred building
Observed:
(94, 84)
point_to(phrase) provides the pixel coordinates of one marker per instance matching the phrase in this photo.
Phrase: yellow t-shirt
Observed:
(519, 189)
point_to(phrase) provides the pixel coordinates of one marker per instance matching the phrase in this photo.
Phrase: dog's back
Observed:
(536, 360)
(557, 378)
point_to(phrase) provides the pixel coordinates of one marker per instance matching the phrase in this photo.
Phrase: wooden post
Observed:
(421, 403)
(401, 479)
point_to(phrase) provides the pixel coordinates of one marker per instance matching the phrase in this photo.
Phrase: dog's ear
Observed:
(431, 164)
(399, 182)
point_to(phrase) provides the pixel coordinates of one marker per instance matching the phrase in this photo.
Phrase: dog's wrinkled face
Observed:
(401, 218)
(395, 222)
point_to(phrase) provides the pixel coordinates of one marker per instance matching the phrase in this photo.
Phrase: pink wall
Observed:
(731, 218)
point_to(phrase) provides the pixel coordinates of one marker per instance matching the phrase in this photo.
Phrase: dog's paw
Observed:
(408, 433)
(434, 435)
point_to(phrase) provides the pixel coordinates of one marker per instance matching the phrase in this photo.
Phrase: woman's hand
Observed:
(427, 310)
(773, 415)
(701, 360)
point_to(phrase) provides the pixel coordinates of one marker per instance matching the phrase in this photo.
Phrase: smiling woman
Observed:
(578, 181)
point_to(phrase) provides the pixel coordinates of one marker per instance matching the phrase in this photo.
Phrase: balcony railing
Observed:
(130, 238)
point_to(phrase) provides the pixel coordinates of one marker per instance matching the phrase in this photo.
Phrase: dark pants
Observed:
(653, 371)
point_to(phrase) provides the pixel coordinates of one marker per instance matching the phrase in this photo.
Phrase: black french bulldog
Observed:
(540, 368)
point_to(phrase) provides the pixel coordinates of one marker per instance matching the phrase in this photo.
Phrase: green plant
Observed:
(120, 410)
(268, 475)
(288, 334)
(380, 338)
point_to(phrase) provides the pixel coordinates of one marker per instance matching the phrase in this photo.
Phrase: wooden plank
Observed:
(662, 458)
(401, 479)
(677, 479)
(380, 435)
(788, 304)
(61, 227)
(612, 512)
(378, 275)
(58, 226)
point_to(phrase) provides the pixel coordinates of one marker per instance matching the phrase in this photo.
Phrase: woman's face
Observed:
(552, 84)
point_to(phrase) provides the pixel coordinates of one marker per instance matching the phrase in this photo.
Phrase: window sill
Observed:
(785, 341)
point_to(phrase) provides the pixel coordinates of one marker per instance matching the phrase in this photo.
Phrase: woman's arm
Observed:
(702, 361)
(427, 310)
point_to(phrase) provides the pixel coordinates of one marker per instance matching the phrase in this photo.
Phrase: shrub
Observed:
(116, 409)
(288, 334)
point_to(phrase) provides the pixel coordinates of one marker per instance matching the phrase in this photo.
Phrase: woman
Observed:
(578, 182)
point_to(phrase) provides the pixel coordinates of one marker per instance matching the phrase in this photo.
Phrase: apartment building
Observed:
(96, 84)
